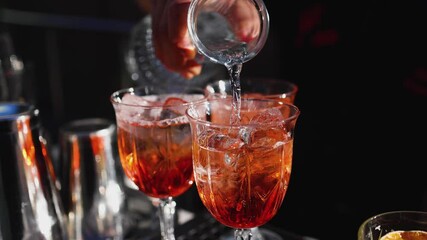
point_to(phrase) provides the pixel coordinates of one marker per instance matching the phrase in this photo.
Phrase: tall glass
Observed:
(154, 142)
(242, 170)
(256, 88)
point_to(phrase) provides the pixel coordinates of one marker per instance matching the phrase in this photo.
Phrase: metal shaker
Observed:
(30, 205)
(90, 186)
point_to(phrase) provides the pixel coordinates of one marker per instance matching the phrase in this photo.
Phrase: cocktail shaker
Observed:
(90, 184)
(30, 205)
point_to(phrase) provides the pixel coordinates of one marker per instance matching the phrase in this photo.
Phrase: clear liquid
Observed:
(228, 52)
(221, 45)
(234, 72)
(220, 41)
(231, 53)
(225, 49)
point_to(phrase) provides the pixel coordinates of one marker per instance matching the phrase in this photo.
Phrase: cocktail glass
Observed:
(242, 170)
(154, 143)
(256, 88)
(396, 225)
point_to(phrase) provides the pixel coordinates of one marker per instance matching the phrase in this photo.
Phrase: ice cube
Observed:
(222, 142)
(267, 116)
(134, 109)
(267, 137)
(174, 105)
(203, 136)
(245, 134)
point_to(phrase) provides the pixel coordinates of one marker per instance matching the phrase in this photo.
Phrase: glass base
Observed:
(257, 234)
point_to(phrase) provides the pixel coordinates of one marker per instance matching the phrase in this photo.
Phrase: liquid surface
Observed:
(405, 235)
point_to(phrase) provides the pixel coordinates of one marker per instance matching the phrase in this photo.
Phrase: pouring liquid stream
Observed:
(234, 71)
(222, 33)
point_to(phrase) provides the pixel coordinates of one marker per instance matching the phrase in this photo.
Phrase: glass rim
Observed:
(116, 96)
(291, 91)
(389, 213)
(283, 102)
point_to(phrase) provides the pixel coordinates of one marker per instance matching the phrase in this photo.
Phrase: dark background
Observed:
(360, 144)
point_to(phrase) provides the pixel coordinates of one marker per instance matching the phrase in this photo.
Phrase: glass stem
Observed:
(256, 234)
(243, 234)
(167, 218)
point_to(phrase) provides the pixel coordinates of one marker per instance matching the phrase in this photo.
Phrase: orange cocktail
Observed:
(242, 171)
(157, 159)
(154, 143)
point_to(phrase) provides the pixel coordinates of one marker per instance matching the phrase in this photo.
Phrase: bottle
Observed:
(145, 68)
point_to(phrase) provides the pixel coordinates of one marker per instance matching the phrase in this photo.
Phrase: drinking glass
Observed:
(228, 32)
(242, 170)
(396, 225)
(256, 88)
(154, 142)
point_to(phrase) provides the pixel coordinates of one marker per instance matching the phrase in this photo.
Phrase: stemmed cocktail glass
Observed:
(256, 88)
(242, 170)
(154, 142)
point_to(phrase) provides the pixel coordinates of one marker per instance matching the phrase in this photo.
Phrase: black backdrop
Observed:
(359, 145)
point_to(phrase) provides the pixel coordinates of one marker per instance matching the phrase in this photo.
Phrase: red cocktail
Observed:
(154, 142)
(242, 171)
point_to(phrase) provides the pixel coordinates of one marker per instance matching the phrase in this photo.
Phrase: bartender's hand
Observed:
(171, 38)
(170, 32)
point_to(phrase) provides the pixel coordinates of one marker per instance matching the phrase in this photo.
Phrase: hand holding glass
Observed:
(228, 32)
